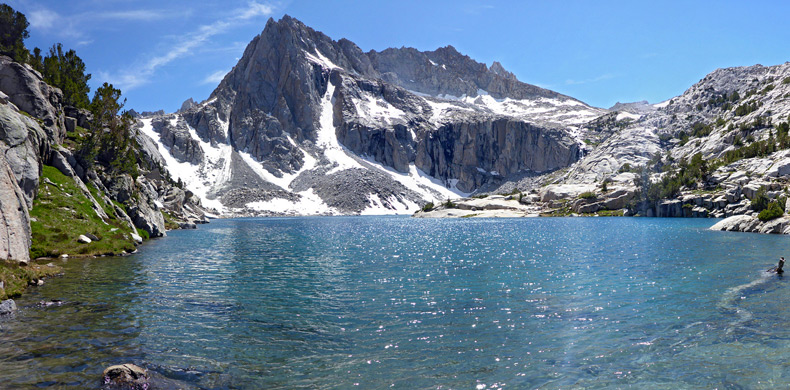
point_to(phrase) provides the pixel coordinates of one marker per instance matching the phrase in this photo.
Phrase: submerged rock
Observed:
(7, 307)
(125, 376)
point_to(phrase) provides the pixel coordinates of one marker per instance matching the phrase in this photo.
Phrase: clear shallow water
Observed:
(392, 302)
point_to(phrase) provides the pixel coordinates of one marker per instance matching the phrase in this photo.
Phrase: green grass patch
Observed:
(144, 234)
(16, 278)
(170, 223)
(61, 212)
(610, 213)
(74, 139)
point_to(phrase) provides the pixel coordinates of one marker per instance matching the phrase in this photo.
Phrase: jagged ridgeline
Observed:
(77, 178)
(308, 125)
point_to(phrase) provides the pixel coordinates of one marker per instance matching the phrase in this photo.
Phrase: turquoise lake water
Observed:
(397, 302)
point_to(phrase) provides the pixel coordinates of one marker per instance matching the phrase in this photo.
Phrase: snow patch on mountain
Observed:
(285, 179)
(320, 59)
(420, 182)
(627, 115)
(377, 110)
(389, 206)
(202, 179)
(309, 203)
(327, 138)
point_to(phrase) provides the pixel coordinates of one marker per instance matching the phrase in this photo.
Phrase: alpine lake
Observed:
(406, 303)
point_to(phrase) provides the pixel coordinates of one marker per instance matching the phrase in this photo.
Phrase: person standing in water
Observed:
(778, 269)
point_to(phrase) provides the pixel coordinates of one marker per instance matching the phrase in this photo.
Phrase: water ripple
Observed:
(336, 303)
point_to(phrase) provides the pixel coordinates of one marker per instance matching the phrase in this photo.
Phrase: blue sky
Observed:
(162, 52)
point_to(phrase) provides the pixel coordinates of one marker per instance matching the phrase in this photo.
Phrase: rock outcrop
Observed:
(14, 218)
(751, 224)
(25, 88)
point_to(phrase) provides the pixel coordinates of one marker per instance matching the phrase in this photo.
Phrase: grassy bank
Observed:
(16, 278)
(61, 213)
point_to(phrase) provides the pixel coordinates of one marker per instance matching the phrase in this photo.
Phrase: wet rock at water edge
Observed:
(7, 307)
(52, 302)
(125, 376)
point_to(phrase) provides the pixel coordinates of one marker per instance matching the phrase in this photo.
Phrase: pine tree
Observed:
(67, 72)
(13, 32)
(111, 142)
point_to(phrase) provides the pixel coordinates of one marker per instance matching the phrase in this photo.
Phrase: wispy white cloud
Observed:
(602, 77)
(43, 18)
(134, 77)
(76, 25)
(133, 15)
(255, 9)
(477, 9)
(215, 77)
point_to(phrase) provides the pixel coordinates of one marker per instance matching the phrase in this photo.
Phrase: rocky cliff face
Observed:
(300, 107)
(14, 218)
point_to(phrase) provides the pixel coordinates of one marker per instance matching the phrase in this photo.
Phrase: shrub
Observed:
(587, 195)
(428, 207)
(773, 211)
(767, 89)
(625, 168)
(449, 204)
(700, 129)
(760, 201)
(746, 109)
(720, 122)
